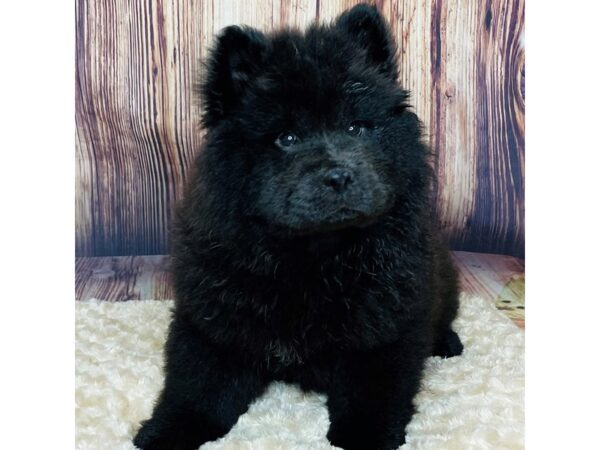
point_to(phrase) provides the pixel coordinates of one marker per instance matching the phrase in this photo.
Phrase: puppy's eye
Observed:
(286, 139)
(356, 128)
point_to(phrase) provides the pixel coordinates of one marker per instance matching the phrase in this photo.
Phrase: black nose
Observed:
(338, 179)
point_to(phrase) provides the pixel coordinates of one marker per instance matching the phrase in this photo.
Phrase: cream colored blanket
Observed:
(474, 401)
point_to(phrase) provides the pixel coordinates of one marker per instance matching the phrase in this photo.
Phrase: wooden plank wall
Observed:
(137, 114)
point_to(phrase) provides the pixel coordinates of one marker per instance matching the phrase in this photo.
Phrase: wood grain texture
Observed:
(137, 114)
(121, 278)
(498, 278)
(486, 274)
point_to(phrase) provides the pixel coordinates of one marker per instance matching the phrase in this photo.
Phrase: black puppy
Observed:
(304, 248)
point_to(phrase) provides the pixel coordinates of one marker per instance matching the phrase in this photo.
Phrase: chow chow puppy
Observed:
(305, 249)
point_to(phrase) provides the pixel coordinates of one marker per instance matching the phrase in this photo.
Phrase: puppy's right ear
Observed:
(233, 62)
(368, 29)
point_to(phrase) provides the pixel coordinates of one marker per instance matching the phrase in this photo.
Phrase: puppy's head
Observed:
(309, 133)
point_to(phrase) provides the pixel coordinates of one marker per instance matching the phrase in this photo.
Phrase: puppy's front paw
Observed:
(362, 436)
(448, 345)
(154, 436)
(150, 437)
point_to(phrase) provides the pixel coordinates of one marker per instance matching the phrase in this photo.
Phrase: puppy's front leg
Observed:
(371, 400)
(205, 392)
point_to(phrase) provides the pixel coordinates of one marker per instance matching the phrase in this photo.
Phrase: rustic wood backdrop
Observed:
(137, 114)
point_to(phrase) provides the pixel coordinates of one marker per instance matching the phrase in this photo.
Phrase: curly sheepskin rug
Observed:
(474, 401)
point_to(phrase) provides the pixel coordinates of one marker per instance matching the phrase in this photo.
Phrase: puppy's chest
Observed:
(316, 323)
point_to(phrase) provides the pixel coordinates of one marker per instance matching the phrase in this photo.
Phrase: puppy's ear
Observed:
(233, 62)
(369, 29)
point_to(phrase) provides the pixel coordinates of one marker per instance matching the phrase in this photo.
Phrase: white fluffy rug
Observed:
(474, 401)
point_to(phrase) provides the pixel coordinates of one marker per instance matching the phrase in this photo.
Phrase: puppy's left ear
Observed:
(369, 29)
(234, 62)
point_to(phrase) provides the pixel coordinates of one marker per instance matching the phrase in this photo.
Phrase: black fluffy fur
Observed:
(316, 263)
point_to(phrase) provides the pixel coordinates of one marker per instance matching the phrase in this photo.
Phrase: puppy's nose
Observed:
(338, 179)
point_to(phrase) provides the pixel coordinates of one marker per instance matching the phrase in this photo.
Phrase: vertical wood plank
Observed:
(84, 196)
(498, 225)
(453, 116)
(410, 23)
(136, 115)
(295, 13)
